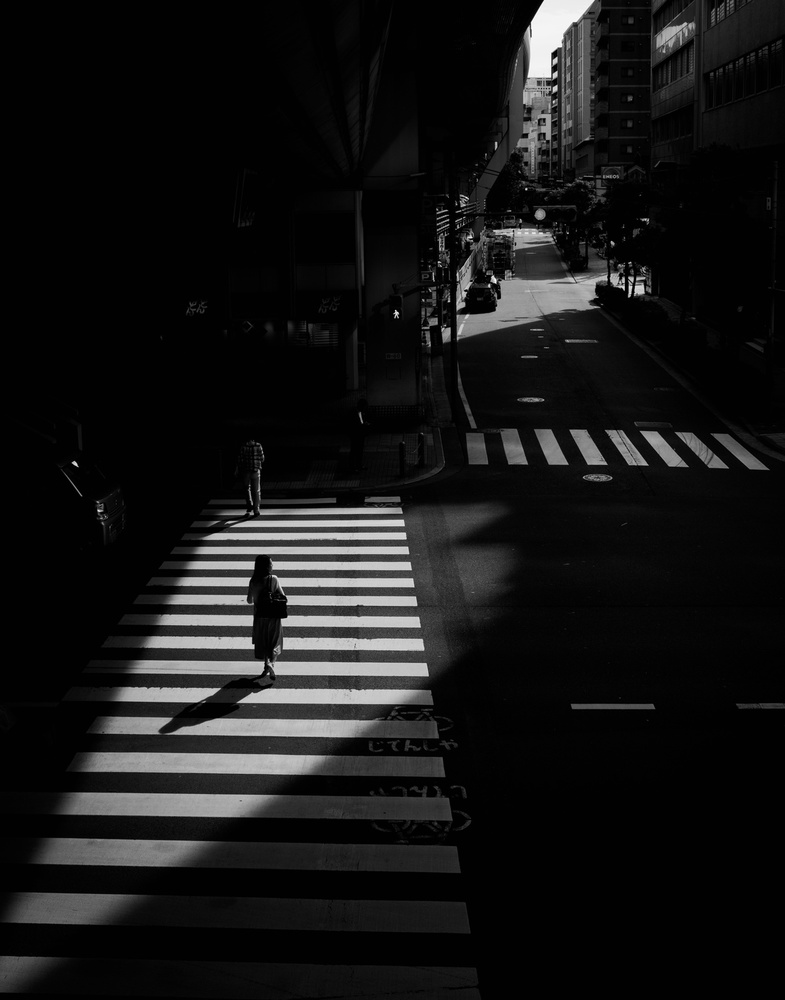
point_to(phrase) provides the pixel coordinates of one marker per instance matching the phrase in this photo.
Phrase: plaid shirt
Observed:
(251, 457)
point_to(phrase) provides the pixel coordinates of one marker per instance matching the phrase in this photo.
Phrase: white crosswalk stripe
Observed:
(582, 447)
(189, 763)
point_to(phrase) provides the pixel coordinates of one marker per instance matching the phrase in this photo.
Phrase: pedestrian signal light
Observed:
(396, 308)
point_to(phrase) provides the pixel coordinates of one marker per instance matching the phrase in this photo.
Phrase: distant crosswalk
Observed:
(606, 447)
(285, 826)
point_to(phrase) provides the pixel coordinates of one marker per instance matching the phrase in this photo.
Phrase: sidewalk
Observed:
(736, 394)
(311, 457)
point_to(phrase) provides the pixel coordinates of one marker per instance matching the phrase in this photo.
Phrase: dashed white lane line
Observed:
(605, 705)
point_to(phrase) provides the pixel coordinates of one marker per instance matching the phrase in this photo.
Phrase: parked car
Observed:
(84, 506)
(480, 298)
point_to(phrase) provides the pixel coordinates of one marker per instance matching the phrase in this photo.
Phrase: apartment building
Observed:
(623, 88)
(576, 107)
(554, 170)
(535, 144)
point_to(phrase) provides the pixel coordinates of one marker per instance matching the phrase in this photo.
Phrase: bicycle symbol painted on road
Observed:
(402, 713)
(419, 831)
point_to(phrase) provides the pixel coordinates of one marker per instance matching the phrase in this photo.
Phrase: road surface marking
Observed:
(611, 705)
(513, 448)
(664, 450)
(263, 525)
(330, 765)
(287, 536)
(704, 453)
(230, 854)
(293, 622)
(210, 548)
(475, 448)
(305, 511)
(321, 729)
(116, 976)
(286, 582)
(589, 450)
(268, 696)
(323, 565)
(550, 448)
(228, 642)
(226, 806)
(740, 452)
(626, 448)
(295, 600)
(350, 916)
(294, 668)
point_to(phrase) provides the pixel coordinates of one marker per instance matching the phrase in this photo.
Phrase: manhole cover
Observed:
(580, 341)
(653, 425)
(597, 477)
(665, 388)
(531, 399)
(529, 356)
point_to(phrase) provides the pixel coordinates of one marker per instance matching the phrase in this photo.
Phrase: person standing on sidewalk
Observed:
(249, 469)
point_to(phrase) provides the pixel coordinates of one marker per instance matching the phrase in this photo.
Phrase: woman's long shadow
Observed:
(220, 524)
(218, 705)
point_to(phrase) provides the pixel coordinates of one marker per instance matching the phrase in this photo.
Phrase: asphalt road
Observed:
(602, 636)
(518, 726)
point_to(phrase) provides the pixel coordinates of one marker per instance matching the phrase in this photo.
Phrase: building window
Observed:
(680, 64)
(627, 123)
(672, 126)
(750, 74)
(775, 64)
(628, 149)
(627, 98)
(718, 10)
(762, 70)
(627, 71)
(667, 12)
(628, 19)
(738, 86)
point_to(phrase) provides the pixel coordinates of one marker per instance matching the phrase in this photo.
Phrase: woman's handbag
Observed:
(272, 605)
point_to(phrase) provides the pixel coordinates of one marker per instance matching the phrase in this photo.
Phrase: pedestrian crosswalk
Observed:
(284, 825)
(607, 447)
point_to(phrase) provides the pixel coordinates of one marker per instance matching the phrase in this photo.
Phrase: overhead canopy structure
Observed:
(298, 95)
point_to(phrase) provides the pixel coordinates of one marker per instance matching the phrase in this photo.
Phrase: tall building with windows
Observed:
(741, 73)
(673, 107)
(718, 126)
(623, 88)
(554, 171)
(536, 140)
(576, 107)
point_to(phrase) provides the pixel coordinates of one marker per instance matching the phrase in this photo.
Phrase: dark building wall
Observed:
(623, 85)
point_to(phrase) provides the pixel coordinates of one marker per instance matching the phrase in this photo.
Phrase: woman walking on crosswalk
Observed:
(269, 606)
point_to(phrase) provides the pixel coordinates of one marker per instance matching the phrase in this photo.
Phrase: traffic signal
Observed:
(396, 308)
